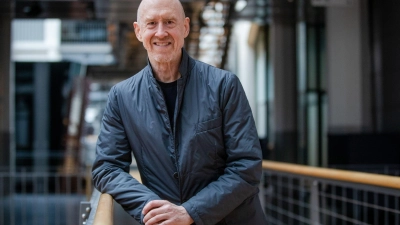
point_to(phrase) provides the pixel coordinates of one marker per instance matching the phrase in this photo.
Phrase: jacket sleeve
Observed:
(243, 164)
(110, 170)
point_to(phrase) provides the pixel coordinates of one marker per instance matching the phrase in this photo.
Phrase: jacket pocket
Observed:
(209, 125)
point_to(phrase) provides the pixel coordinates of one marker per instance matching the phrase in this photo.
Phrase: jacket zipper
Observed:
(176, 112)
(172, 129)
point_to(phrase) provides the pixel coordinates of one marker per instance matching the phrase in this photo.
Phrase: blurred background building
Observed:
(321, 76)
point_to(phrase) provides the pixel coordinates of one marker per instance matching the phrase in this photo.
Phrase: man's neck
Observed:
(166, 72)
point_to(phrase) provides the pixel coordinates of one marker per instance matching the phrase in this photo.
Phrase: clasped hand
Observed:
(165, 213)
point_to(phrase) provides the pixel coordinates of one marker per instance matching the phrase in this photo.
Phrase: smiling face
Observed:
(162, 27)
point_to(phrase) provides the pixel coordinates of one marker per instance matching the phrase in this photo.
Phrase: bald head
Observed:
(145, 4)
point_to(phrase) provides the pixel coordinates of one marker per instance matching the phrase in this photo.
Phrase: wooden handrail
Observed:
(104, 213)
(105, 210)
(105, 207)
(334, 174)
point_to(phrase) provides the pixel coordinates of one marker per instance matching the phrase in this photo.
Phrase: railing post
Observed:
(11, 193)
(314, 202)
(261, 194)
(84, 212)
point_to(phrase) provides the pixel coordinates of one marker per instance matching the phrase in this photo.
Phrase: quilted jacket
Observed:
(210, 162)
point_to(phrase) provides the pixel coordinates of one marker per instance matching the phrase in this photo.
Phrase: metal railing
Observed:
(298, 195)
(41, 198)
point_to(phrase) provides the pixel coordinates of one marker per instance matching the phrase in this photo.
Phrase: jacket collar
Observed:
(184, 66)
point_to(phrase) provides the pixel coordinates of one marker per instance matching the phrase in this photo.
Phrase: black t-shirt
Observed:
(170, 91)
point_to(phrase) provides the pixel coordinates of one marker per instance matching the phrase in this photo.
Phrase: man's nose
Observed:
(161, 30)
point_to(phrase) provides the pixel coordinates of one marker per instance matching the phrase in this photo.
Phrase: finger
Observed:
(157, 219)
(153, 204)
(152, 213)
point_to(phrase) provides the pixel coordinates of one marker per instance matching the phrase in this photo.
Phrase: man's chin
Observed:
(162, 58)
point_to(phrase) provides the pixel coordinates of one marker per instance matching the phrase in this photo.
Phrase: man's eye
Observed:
(170, 22)
(151, 23)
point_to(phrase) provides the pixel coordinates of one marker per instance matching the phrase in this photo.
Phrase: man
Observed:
(190, 129)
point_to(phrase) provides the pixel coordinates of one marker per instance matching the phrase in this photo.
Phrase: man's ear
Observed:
(187, 26)
(137, 31)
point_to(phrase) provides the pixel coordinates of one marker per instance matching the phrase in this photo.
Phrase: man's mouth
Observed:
(162, 43)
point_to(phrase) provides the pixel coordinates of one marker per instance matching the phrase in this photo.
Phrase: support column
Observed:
(41, 118)
(349, 105)
(245, 69)
(283, 67)
(6, 102)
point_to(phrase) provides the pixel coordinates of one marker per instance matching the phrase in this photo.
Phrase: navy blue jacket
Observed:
(210, 163)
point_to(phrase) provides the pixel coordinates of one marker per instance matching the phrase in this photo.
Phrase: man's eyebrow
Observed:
(171, 17)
